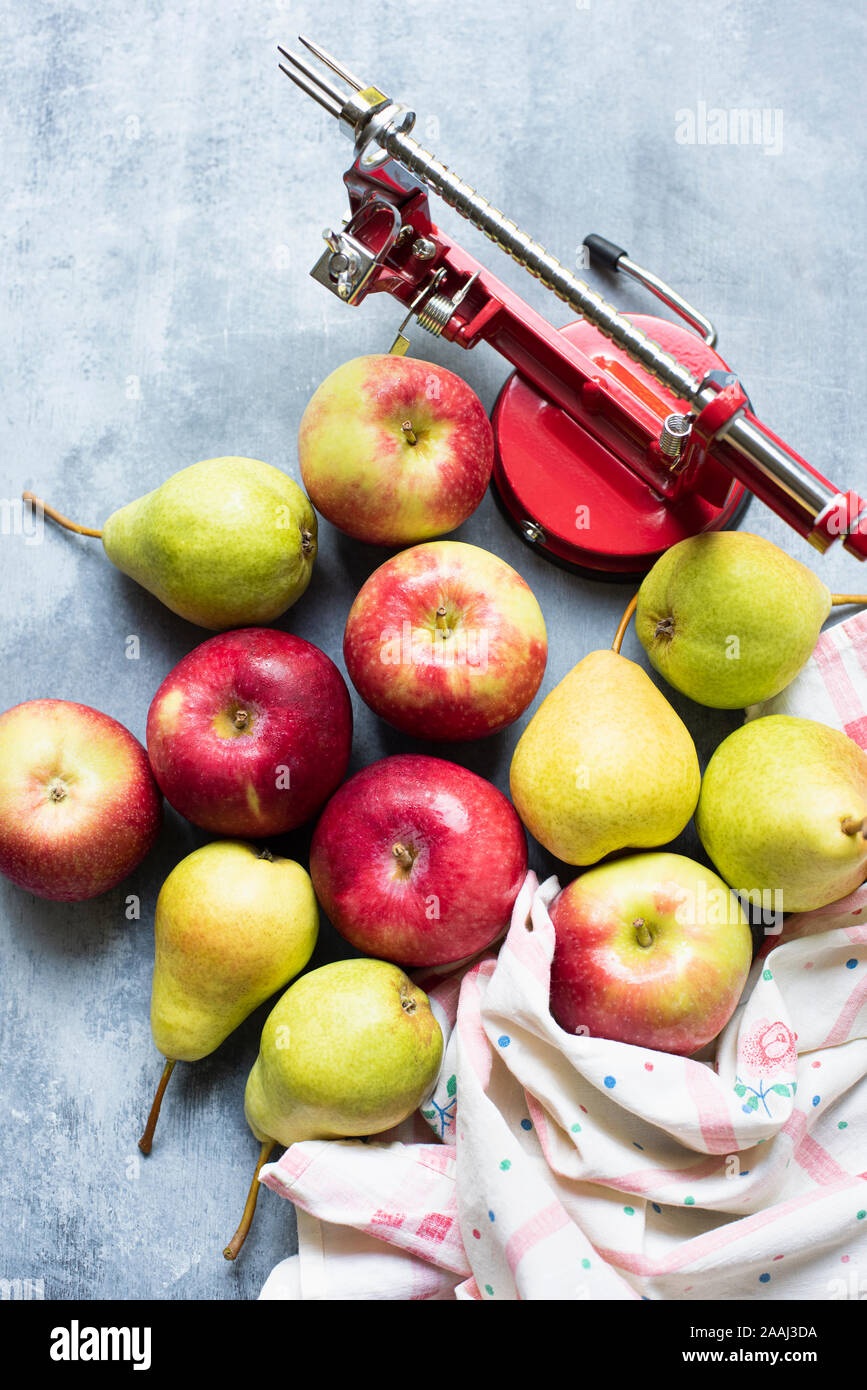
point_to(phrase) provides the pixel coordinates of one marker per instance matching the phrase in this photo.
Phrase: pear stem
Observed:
(409, 432)
(147, 1138)
(851, 826)
(619, 635)
(624, 624)
(233, 1249)
(59, 517)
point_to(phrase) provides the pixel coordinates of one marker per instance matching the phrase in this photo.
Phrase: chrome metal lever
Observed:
(604, 253)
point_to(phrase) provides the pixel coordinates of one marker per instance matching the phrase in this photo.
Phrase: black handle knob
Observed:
(603, 253)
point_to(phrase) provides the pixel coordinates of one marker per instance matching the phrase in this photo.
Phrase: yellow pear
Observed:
(234, 923)
(605, 764)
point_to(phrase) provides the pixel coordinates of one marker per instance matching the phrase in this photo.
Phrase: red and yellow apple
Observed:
(79, 808)
(250, 733)
(653, 949)
(394, 450)
(418, 861)
(446, 641)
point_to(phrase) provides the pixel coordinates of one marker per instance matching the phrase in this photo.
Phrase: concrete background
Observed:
(164, 192)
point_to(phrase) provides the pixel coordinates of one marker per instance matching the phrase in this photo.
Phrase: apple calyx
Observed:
(57, 791)
(409, 433)
(850, 826)
(643, 934)
(265, 854)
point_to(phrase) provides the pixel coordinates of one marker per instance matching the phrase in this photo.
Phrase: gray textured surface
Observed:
(164, 192)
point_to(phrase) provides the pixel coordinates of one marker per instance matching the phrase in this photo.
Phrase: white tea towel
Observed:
(832, 687)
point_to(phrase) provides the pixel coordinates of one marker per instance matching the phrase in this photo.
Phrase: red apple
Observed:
(652, 949)
(446, 641)
(250, 733)
(418, 861)
(394, 450)
(79, 809)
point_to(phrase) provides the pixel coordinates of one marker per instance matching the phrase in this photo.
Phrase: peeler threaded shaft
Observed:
(540, 263)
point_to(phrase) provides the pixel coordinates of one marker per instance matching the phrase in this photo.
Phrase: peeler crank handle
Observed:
(605, 253)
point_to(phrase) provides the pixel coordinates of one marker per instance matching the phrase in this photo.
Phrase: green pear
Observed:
(229, 542)
(605, 764)
(350, 1049)
(783, 808)
(729, 618)
(234, 923)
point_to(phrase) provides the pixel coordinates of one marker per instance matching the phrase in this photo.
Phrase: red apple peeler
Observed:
(616, 437)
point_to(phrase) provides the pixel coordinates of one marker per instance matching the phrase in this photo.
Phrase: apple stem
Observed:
(837, 599)
(148, 1137)
(404, 856)
(851, 826)
(643, 933)
(441, 619)
(624, 624)
(306, 541)
(411, 436)
(59, 517)
(233, 1249)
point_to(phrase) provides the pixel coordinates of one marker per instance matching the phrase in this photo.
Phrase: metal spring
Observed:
(435, 314)
(675, 431)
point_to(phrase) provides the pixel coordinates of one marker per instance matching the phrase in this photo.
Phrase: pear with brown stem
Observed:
(234, 924)
(729, 619)
(228, 542)
(349, 1050)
